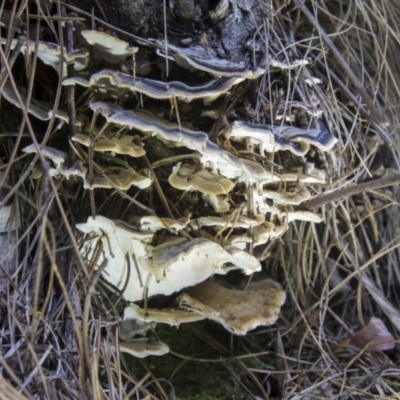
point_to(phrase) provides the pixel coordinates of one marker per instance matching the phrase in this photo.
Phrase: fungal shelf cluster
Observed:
(224, 201)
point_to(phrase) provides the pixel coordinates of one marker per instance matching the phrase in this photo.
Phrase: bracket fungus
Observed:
(143, 347)
(173, 315)
(290, 215)
(114, 82)
(108, 48)
(117, 177)
(130, 261)
(295, 197)
(274, 138)
(184, 177)
(120, 145)
(192, 237)
(50, 54)
(58, 158)
(260, 135)
(267, 231)
(154, 224)
(220, 204)
(238, 311)
(199, 58)
(147, 122)
(41, 110)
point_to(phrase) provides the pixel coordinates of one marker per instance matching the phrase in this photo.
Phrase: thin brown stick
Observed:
(346, 68)
(340, 194)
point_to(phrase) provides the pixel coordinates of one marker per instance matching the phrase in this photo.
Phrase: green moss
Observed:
(193, 379)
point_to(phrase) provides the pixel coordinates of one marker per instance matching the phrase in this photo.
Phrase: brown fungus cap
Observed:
(238, 311)
(119, 178)
(173, 316)
(184, 177)
(220, 204)
(143, 347)
(121, 145)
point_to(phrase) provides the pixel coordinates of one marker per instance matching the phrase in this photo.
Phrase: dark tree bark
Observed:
(230, 28)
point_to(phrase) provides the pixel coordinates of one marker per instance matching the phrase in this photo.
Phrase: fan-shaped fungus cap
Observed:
(265, 137)
(131, 326)
(296, 197)
(114, 82)
(40, 110)
(77, 169)
(148, 122)
(238, 311)
(121, 246)
(221, 161)
(319, 137)
(173, 316)
(50, 54)
(208, 92)
(130, 262)
(58, 157)
(122, 232)
(143, 347)
(166, 255)
(152, 223)
(256, 174)
(184, 178)
(239, 241)
(240, 257)
(265, 232)
(292, 215)
(219, 203)
(109, 48)
(119, 178)
(122, 145)
(199, 58)
(188, 263)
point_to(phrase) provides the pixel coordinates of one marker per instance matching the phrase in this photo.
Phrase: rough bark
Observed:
(230, 31)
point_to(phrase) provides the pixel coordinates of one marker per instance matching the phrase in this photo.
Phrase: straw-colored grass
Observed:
(59, 328)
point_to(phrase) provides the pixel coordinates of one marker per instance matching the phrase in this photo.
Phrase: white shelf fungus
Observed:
(109, 48)
(116, 84)
(50, 54)
(131, 262)
(199, 58)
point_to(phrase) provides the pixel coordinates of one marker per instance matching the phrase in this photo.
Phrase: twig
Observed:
(349, 191)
